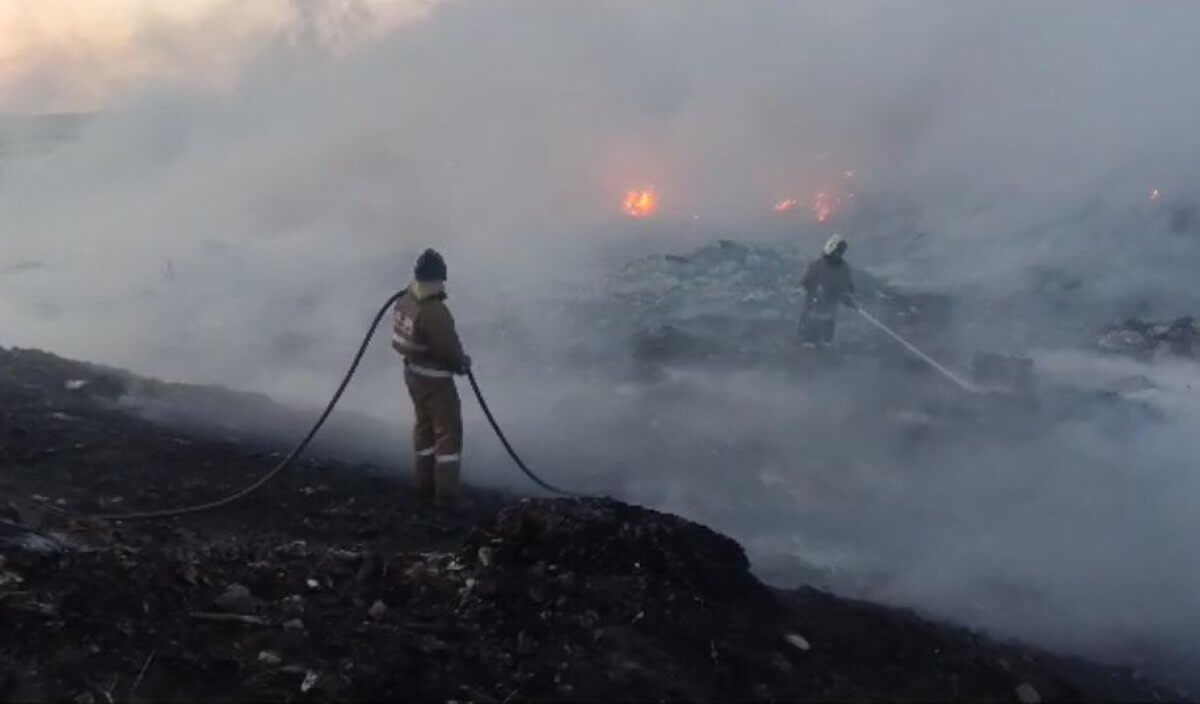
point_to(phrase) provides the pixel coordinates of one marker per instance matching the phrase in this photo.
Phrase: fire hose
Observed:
(960, 382)
(288, 460)
(291, 457)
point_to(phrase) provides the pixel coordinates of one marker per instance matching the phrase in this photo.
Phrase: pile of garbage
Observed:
(716, 278)
(741, 303)
(335, 583)
(1144, 339)
(647, 602)
(578, 600)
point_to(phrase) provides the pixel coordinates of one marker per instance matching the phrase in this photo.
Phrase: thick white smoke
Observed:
(245, 235)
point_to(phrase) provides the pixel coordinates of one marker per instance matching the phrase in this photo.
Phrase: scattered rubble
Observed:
(1027, 694)
(293, 605)
(1144, 339)
(667, 342)
(552, 598)
(378, 611)
(736, 302)
(235, 598)
(310, 680)
(564, 599)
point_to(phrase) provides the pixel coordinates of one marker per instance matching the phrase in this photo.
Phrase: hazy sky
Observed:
(252, 191)
(58, 55)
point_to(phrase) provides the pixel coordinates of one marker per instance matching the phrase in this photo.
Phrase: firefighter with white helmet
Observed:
(827, 282)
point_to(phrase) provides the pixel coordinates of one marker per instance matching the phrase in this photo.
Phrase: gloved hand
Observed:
(465, 366)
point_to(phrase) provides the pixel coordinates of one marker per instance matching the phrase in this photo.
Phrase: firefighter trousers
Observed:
(817, 327)
(437, 436)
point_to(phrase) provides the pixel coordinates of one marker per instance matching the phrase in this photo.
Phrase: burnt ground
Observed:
(333, 583)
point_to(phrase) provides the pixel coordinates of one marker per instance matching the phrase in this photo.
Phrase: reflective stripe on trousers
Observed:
(429, 372)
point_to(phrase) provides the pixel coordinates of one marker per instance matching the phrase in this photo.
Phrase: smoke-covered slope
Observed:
(331, 583)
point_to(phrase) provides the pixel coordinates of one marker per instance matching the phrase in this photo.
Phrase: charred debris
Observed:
(334, 583)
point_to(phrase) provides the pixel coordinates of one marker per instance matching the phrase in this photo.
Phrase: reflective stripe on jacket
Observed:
(423, 331)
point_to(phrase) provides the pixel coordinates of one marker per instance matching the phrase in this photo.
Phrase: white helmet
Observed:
(836, 244)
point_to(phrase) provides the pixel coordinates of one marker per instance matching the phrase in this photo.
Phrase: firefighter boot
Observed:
(446, 483)
(423, 474)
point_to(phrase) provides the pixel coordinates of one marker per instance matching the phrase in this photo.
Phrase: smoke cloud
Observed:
(240, 226)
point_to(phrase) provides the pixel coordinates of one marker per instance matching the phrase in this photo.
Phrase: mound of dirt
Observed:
(334, 583)
(629, 603)
(552, 599)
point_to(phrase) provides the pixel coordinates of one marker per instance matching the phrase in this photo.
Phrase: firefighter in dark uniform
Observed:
(425, 335)
(827, 282)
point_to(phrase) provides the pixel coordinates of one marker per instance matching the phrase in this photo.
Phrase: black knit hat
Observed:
(430, 267)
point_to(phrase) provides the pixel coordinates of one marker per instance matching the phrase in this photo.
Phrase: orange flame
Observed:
(785, 205)
(822, 206)
(825, 204)
(641, 204)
